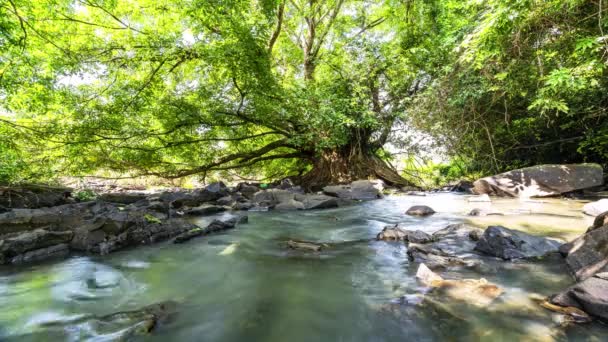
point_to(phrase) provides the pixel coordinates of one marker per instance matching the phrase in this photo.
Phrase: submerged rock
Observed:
(305, 245)
(214, 226)
(511, 244)
(577, 315)
(119, 326)
(541, 180)
(590, 295)
(478, 292)
(420, 210)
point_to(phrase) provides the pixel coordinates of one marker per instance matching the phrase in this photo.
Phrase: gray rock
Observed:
(205, 209)
(59, 250)
(511, 244)
(312, 201)
(596, 208)
(420, 210)
(541, 180)
(587, 254)
(273, 197)
(457, 239)
(15, 248)
(590, 295)
(213, 227)
(122, 197)
(395, 233)
(242, 206)
(247, 190)
(435, 258)
(357, 190)
(34, 196)
(291, 204)
(225, 201)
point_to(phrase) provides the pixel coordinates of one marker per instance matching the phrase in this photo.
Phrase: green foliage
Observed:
(85, 195)
(429, 174)
(526, 84)
(180, 88)
(152, 219)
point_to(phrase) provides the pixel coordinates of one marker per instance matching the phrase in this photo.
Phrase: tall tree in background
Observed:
(178, 88)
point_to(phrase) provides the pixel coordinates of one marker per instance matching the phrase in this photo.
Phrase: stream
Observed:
(244, 285)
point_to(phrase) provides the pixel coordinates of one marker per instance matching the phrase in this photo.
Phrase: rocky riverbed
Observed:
(294, 262)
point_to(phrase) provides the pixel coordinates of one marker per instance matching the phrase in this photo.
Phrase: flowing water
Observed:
(244, 285)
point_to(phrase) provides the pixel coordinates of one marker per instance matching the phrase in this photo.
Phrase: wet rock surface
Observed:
(590, 295)
(396, 233)
(420, 210)
(587, 255)
(511, 244)
(213, 227)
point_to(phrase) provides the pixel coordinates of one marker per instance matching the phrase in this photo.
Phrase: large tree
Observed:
(178, 88)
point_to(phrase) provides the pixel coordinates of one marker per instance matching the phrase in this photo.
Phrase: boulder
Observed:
(272, 197)
(587, 254)
(541, 180)
(420, 210)
(312, 201)
(291, 204)
(596, 208)
(457, 239)
(225, 201)
(357, 190)
(122, 197)
(14, 249)
(396, 233)
(34, 196)
(511, 244)
(590, 295)
(247, 190)
(205, 209)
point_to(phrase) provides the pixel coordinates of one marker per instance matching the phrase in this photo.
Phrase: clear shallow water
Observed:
(245, 285)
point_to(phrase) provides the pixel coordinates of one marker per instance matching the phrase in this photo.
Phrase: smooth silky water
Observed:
(244, 285)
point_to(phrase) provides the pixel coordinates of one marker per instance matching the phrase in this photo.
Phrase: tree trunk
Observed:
(347, 165)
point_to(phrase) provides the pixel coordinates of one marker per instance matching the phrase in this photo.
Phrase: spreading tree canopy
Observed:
(311, 88)
(184, 87)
